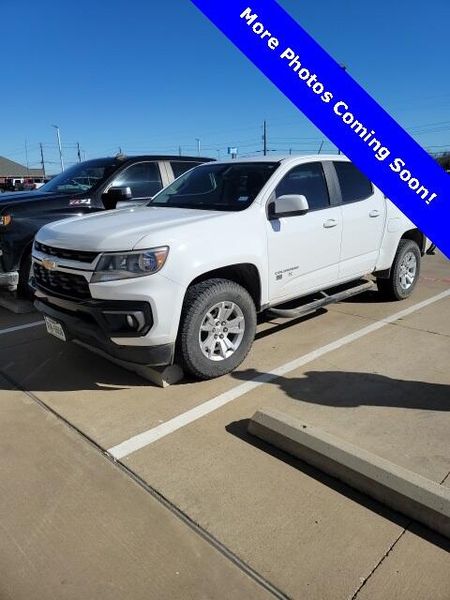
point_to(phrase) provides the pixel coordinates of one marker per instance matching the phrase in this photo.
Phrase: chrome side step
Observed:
(310, 307)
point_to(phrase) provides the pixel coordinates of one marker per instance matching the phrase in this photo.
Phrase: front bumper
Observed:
(88, 322)
(10, 279)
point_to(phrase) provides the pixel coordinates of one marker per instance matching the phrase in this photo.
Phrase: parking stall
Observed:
(181, 465)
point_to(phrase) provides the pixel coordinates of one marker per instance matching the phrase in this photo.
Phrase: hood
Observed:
(17, 198)
(119, 230)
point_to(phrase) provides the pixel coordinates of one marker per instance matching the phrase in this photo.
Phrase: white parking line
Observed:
(156, 433)
(19, 327)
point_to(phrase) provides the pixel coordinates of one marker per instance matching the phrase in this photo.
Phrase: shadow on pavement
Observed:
(347, 389)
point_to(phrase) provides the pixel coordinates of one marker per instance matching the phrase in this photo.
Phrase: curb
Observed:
(406, 492)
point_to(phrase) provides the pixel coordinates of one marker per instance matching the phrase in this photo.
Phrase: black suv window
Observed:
(307, 180)
(82, 177)
(354, 184)
(179, 167)
(143, 178)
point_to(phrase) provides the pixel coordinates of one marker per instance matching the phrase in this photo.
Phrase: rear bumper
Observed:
(10, 279)
(86, 325)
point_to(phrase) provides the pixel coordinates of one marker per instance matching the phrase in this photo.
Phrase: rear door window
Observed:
(354, 185)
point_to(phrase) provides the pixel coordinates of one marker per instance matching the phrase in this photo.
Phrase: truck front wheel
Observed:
(404, 272)
(23, 289)
(217, 329)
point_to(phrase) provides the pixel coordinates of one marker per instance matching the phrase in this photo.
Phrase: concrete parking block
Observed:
(396, 487)
(160, 376)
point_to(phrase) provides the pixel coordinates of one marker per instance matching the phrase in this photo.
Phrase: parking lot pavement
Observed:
(75, 526)
(401, 575)
(383, 386)
(9, 320)
(110, 404)
(284, 519)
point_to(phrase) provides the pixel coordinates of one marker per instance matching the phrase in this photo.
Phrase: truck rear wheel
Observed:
(405, 272)
(217, 329)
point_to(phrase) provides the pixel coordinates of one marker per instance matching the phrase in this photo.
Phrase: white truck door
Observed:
(304, 249)
(364, 218)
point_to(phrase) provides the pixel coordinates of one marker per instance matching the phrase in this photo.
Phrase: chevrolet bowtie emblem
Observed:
(50, 265)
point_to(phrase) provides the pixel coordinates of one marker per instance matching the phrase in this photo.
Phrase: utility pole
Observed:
(26, 156)
(198, 146)
(78, 152)
(265, 138)
(321, 146)
(218, 153)
(42, 160)
(59, 146)
(179, 150)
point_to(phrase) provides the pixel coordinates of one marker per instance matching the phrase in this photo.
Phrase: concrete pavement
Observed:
(91, 524)
(75, 526)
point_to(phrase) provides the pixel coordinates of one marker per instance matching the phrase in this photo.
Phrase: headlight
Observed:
(125, 265)
(5, 220)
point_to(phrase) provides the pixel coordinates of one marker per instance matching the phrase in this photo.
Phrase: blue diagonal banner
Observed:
(340, 108)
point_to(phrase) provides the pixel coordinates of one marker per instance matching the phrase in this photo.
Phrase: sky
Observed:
(153, 76)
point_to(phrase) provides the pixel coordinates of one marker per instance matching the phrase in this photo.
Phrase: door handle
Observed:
(330, 223)
(374, 213)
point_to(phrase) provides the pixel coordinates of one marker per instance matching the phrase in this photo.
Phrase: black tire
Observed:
(202, 298)
(394, 287)
(23, 288)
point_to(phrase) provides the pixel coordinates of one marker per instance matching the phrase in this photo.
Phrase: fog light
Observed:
(131, 322)
(122, 322)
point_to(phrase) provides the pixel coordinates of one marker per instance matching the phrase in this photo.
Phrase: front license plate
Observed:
(55, 328)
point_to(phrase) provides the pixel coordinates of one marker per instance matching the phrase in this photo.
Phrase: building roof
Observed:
(9, 168)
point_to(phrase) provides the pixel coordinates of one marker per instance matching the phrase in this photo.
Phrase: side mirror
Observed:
(289, 205)
(115, 195)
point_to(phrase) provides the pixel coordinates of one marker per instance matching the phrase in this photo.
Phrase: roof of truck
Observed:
(285, 158)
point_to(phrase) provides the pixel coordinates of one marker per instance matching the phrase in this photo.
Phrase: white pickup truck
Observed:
(184, 277)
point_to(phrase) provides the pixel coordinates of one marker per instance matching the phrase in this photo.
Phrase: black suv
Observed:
(90, 186)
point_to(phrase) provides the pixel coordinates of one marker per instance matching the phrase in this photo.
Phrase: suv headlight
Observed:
(126, 265)
(5, 220)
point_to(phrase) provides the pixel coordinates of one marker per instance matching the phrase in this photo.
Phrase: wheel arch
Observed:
(411, 234)
(416, 236)
(245, 274)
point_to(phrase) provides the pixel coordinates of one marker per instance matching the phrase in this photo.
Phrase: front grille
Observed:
(68, 285)
(76, 255)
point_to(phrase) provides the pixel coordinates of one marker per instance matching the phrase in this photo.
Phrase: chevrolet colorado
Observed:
(184, 277)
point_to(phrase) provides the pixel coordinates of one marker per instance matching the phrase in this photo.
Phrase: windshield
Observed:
(80, 178)
(215, 186)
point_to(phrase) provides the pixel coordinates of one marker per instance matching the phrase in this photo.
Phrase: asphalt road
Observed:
(113, 488)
